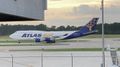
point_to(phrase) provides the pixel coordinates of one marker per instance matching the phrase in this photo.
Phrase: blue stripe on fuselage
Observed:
(80, 33)
(74, 35)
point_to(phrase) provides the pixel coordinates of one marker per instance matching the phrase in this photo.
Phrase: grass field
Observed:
(65, 49)
(106, 36)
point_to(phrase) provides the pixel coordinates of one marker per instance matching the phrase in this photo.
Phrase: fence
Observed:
(70, 60)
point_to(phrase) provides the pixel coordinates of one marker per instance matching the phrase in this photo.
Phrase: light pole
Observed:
(41, 59)
(12, 60)
(72, 60)
(103, 43)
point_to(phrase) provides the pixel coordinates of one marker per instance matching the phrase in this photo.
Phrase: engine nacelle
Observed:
(49, 40)
(37, 40)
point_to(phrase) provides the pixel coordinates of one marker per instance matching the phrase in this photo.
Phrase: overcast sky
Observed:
(77, 12)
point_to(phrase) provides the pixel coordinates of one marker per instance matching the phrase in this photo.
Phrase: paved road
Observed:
(82, 43)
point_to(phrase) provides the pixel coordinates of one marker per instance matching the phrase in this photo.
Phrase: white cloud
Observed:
(86, 10)
(112, 13)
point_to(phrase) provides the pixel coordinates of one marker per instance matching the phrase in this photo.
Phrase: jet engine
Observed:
(49, 40)
(38, 40)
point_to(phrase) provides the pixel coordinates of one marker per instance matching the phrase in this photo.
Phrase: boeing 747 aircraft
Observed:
(52, 36)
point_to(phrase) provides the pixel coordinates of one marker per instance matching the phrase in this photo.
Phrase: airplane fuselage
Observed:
(32, 34)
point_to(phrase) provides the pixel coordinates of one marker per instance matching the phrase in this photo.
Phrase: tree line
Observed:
(6, 29)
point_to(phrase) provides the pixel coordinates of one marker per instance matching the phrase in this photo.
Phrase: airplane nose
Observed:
(11, 36)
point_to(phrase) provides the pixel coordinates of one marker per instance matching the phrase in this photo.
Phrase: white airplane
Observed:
(52, 36)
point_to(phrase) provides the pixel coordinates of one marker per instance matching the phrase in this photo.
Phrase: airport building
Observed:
(18, 10)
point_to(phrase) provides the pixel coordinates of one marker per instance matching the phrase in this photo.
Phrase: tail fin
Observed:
(90, 27)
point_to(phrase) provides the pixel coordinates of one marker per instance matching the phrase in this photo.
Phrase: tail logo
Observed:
(90, 26)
